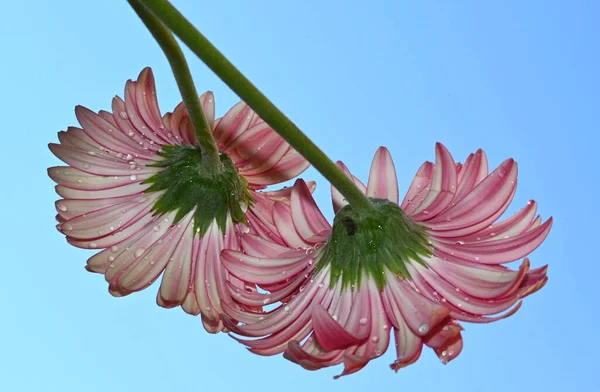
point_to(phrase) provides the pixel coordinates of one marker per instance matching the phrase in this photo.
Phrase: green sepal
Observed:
(370, 242)
(189, 185)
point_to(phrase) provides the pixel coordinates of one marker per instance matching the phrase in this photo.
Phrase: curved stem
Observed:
(225, 70)
(170, 47)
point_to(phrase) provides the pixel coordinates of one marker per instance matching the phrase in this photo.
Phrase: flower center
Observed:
(370, 242)
(188, 185)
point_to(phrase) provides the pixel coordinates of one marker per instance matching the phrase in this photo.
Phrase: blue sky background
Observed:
(517, 78)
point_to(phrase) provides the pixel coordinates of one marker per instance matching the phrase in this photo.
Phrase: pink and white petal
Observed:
(408, 346)
(452, 348)
(152, 262)
(460, 232)
(288, 167)
(137, 107)
(264, 271)
(308, 220)
(444, 331)
(480, 281)
(103, 221)
(257, 150)
(254, 245)
(235, 122)
(175, 283)
(77, 179)
(471, 174)
(483, 201)
(419, 313)
(383, 183)
(129, 189)
(441, 189)
(461, 301)
(95, 164)
(283, 195)
(421, 181)
(70, 208)
(277, 320)
(337, 198)
(147, 104)
(282, 217)
(498, 251)
(509, 227)
(105, 133)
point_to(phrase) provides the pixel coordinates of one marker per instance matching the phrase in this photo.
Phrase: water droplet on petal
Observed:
(111, 258)
(93, 245)
(114, 249)
(476, 258)
(424, 328)
(286, 308)
(123, 115)
(61, 207)
(375, 339)
(139, 252)
(363, 321)
(425, 212)
(156, 228)
(133, 177)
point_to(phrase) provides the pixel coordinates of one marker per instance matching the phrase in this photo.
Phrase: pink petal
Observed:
(441, 189)
(308, 220)
(338, 199)
(383, 183)
(421, 180)
(330, 334)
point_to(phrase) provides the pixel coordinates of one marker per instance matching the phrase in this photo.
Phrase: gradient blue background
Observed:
(517, 78)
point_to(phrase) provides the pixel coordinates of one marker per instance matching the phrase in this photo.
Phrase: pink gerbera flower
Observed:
(414, 269)
(137, 188)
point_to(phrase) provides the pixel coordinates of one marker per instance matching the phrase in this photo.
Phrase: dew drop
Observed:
(423, 328)
(476, 258)
(459, 242)
(375, 339)
(286, 308)
(93, 245)
(156, 228)
(130, 134)
(123, 115)
(363, 321)
(114, 248)
(138, 252)
(425, 212)
(67, 227)
(266, 300)
(133, 177)
(61, 207)
(384, 326)
(111, 258)
(321, 285)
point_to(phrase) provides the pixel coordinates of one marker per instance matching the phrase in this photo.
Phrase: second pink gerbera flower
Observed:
(136, 188)
(414, 269)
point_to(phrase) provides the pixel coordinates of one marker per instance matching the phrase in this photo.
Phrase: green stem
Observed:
(170, 47)
(211, 56)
